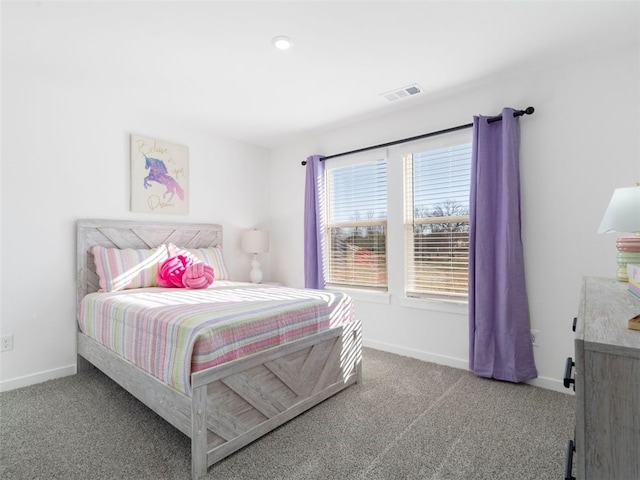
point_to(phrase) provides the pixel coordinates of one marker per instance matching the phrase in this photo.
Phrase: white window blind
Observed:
(356, 228)
(437, 186)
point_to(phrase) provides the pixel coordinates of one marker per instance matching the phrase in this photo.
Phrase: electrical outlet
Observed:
(6, 343)
(534, 338)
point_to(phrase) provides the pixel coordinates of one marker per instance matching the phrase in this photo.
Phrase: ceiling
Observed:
(211, 64)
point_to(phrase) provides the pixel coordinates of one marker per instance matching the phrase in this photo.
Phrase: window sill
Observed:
(364, 295)
(460, 307)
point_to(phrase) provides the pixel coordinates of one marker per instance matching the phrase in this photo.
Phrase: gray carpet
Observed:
(408, 420)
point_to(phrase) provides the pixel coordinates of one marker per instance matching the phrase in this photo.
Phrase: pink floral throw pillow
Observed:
(198, 275)
(183, 272)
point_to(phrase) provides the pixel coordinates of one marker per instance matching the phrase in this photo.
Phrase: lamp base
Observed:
(256, 273)
(628, 252)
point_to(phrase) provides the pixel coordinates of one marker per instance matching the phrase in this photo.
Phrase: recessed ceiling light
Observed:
(281, 42)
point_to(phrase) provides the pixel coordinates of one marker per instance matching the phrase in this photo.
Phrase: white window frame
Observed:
(340, 162)
(430, 144)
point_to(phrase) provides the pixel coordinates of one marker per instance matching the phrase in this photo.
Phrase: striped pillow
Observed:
(211, 256)
(120, 269)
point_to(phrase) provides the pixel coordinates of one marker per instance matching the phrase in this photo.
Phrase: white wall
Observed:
(65, 155)
(581, 143)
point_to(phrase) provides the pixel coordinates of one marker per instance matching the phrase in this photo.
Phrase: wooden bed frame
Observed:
(231, 404)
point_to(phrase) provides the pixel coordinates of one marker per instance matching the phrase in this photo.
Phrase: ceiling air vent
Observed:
(402, 93)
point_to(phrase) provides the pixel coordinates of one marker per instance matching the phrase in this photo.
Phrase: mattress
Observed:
(171, 333)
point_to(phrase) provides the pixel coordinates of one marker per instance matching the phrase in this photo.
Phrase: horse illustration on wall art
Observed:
(158, 173)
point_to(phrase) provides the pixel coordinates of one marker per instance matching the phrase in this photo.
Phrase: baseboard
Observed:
(461, 363)
(39, 377)
(550, 384)
(419, 354)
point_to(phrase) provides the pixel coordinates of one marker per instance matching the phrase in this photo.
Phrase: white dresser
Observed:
(607, 384)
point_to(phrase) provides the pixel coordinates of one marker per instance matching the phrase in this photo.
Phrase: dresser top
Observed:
(606, 306)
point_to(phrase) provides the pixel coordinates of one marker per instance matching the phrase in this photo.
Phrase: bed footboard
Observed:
(236, 403)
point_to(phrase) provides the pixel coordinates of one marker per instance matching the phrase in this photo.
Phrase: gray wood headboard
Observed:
(128, 234)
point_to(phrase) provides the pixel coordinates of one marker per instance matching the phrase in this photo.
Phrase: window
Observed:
(366, 242)
(356, 228)
(436, 223)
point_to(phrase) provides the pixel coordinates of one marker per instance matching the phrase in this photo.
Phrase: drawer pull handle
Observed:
(567, 374)
(575, 322)
(568, 467)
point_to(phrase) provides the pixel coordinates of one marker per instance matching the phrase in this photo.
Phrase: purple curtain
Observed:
(314, 188)
(499, 326)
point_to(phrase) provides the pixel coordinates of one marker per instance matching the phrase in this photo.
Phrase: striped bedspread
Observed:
(171, 333)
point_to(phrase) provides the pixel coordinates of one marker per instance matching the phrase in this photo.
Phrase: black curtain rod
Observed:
(497, 118)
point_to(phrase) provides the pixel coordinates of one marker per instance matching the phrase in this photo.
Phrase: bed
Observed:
(230, 399)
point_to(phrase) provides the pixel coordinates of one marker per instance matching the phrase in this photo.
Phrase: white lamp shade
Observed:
(623, 212)
(254, 241)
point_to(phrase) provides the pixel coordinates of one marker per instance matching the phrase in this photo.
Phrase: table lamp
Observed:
(255, 242)
(623, 215)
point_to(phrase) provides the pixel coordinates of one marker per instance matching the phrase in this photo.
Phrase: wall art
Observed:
(159, 176)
